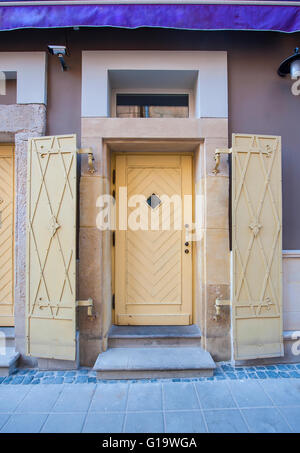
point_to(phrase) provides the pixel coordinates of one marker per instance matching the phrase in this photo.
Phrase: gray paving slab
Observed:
(73, 400)
(225, 421)
(11, 396)
(214, 395)
(104, 423)
(180, 395)
(185, 422)
(265, 420)
(145, 397)
(64, 423)
(292, 416)
(24, 423)
(15, 389)
(285, 392)
(110, 397)
(144, 422)
(3, 419)
(249, 394)
(237, 405)
(40, 398)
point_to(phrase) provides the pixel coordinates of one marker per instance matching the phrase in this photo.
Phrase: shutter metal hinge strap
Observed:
(91, 158)
(218, 153)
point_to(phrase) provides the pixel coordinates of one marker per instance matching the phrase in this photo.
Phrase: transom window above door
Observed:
(153, 105)
(152, 93)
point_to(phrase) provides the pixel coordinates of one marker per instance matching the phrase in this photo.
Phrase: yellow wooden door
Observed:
(153, 266)
(257, 248)
(51, 247)
(6, 235)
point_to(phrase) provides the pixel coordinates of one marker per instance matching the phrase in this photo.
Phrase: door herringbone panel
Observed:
(154, 257)
(6, 236)
(150, 260)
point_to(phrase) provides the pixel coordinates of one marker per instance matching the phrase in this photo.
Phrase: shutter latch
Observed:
(218, 153)
(87, 303)
(218, 304)
(91, 158)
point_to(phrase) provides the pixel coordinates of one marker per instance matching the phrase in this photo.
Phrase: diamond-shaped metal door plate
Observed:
(153, 201)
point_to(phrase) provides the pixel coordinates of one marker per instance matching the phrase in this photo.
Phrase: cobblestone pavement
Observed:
(87, 376)
(191, 406)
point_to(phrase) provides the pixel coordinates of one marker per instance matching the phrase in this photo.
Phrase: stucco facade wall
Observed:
(259, 101)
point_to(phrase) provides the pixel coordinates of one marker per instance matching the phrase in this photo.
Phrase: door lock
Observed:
(186, 251)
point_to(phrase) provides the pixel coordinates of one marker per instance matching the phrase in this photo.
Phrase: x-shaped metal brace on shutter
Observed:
(91, 158)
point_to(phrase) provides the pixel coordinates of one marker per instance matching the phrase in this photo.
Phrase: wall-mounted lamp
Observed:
(60, 51)
(290, 66)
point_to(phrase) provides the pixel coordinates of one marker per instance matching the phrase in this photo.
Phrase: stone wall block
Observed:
(22, 122)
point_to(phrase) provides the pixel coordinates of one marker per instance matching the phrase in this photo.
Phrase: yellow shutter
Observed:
(51, 247)
(257, 248)
(6, 235)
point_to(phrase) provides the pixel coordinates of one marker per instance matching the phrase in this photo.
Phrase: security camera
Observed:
(60, 51)
(57, 50)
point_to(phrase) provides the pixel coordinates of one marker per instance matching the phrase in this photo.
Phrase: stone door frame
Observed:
(212, 269)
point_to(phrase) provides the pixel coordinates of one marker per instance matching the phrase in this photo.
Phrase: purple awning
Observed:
(281, 16)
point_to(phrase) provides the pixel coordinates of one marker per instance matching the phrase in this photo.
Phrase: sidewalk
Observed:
(171, 406)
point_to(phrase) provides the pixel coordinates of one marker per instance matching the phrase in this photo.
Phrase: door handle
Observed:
(187, 242)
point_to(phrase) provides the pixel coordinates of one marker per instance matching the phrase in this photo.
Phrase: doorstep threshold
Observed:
(191, 331)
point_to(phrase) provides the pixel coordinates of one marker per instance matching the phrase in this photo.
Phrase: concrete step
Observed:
(7, 337)
(154, 336)
(141, 363)
(8, 361)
